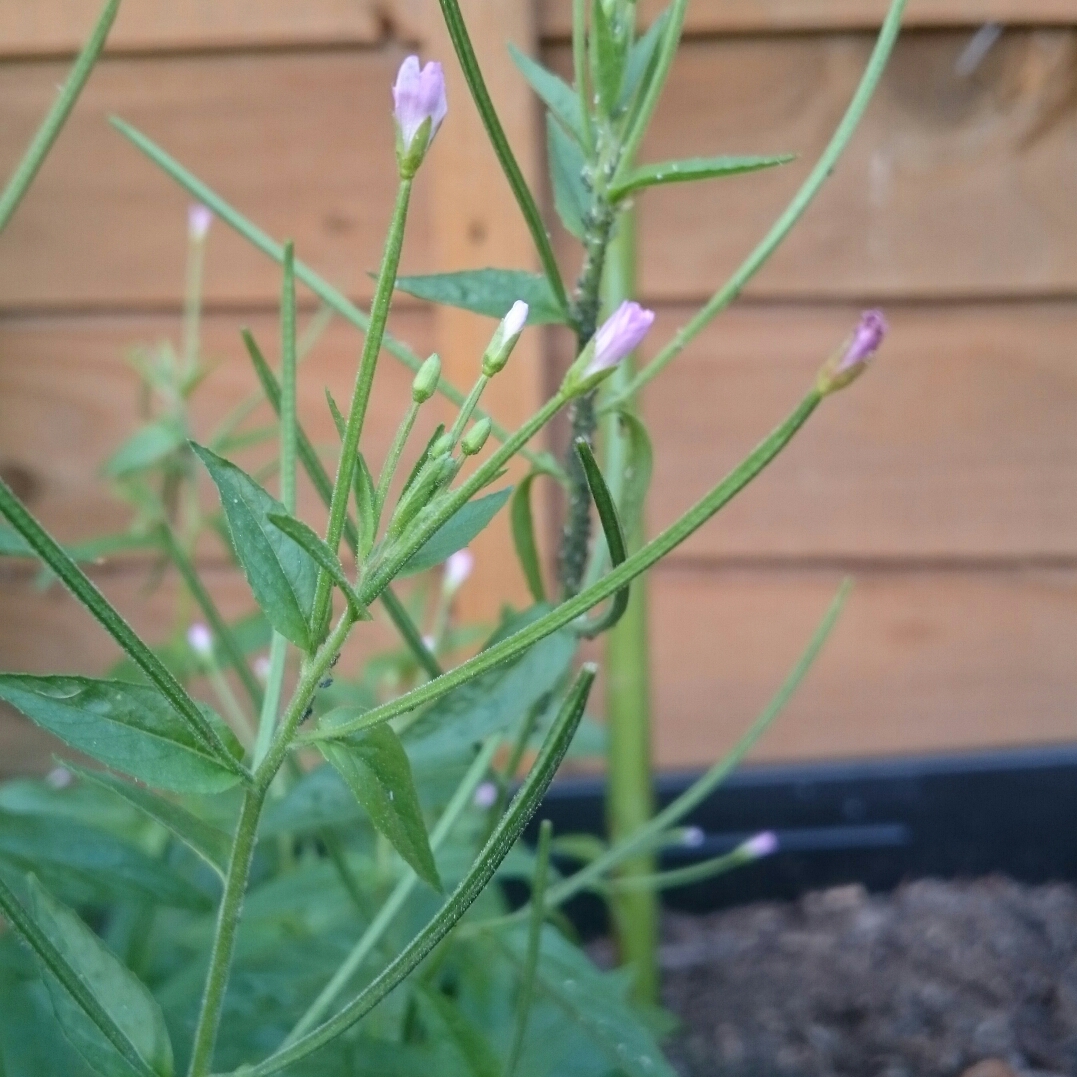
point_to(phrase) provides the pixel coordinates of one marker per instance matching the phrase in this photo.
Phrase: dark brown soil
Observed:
(925, 982)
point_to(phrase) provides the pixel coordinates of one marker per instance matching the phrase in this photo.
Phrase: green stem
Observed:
(534, 937)
(467, 408)
(379, 313)
(629, 776)
(389, 467)
(793, 212)
(693, 873)
(267, 717)
(224, 939)
(329, 295)
(375, 931)
(192, 302)
(46, 134)
(572, 608)
(454, 22)
(579, 70)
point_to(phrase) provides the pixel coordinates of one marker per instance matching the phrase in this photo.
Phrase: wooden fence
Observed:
(946, 482)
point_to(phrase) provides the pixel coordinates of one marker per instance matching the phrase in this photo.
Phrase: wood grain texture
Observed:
(761, 16)
(958, 443)
(920, 662)
(68, 398)
(477, 223)
(52, 27)
(302, 144)
(952, 187)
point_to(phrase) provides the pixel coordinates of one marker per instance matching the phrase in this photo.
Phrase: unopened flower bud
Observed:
(485, 795)
(426, 381)
(765, 844)
(620, 335)
(441, 446)
(457, 569)
(262, 667)
(59, 778)
(475, 438)
(693, 837)
(199, 219)
(200, 640)
(430, 643)
(419, 107)
(852, 359)
(504, 338)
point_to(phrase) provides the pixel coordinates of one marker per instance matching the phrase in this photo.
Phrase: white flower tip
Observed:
(485, 795)
(419, 95)
(693, 837)
(59, 778)
(200, 640)
(261, 667)
(765, 844)
(430, 643)
(458, 567)
(199, 218)
(516, 318)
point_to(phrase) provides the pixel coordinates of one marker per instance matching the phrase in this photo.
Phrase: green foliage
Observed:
(692, 168)
(487, 291)
(456, 532)
(567, 168)
(562, 101)
(523, 537)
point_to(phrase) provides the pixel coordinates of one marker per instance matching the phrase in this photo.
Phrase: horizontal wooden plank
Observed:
(68, 399)
(955, 185)
(52, 27)
(760, 16)
(47, 632)
(301, 144)
(958, 443)
(920, 662)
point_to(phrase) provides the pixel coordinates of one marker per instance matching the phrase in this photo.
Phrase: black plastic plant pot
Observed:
(878, 823)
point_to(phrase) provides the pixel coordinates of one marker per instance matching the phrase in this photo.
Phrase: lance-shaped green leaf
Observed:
(108, 1015)
(146, 447)
(523, 536)
(79, 584)
(488, 291)
(692, 168)
(456, 532)
(377, 770)
(555, 93)
(129, 727)
(90, 866)
(304, 536)
(211, 844)
(500, 843)
(638, 468)
(639, 66)
(281, 574)
(570, 196)
(611, 528)
(609, 53)
(446, 1023)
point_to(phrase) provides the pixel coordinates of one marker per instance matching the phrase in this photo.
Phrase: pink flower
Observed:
(867, 337)
(765, 844)
(418, 96)
(619, 336)
(199, 218)
(485, 795)
(457, 569)
(200, 640)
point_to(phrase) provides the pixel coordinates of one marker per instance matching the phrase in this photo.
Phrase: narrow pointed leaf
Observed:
(211, 844)
(325, 558)
(498, 846)
(570, 196)
(452, 1026)
(640, 62)
(281, 574)
(456, 532)
(129, 727)
(90, 866)
(79, 584)
(555, 93)
(608, 55)
(377, 770)
(692, 168)
(611, 528)
(423, 457)
(146, 447)
(639, 466)
(488, 291)
(109, 1016)
(334, 409)
(523, 537)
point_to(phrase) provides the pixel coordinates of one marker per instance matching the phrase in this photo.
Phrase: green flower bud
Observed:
(475, 438)
(504, 339)
(426, 381)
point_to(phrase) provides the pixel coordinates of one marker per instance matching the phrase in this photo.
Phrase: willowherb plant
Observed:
(211, 900)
